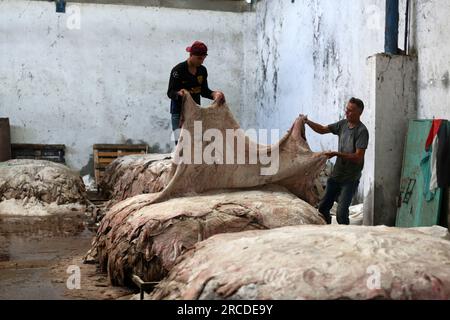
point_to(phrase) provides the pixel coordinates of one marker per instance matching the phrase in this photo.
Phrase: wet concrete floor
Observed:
(41, 256)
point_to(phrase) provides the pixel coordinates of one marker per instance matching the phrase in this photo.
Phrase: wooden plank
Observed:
(5, 140)
(101, 166)
(104, 154)
(95, 156)
(117, 153)
(129, 153)
(106, 160)
(112, 147)
(37, 146)
(49, 152)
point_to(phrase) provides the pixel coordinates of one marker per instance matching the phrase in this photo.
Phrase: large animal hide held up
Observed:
(289, 162)
(313, 262)
(45, 181)
(146, 233)
(237, 162)
(143, 239)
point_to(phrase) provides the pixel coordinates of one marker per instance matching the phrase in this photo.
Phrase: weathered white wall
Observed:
(107, 81)
(312, 59)
(430, 31)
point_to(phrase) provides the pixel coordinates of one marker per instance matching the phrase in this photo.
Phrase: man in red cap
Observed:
(192, 76)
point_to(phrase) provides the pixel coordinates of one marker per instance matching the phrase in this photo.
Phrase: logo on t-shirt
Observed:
(200, 79)
(196, 90)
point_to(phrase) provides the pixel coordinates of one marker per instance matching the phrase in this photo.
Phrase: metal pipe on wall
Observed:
(407, 26)
(392, 22)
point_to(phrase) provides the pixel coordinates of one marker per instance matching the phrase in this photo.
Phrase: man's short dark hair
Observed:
(358, 103)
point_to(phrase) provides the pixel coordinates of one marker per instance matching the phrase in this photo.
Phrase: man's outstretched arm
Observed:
(320, 129)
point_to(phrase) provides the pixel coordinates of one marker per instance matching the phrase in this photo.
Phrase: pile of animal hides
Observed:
(238, 185)
(39, 187)
(314, 262)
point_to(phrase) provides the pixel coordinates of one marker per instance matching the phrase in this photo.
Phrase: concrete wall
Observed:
(429, 40)
(312, 59)
(106, 82)
(392, 104)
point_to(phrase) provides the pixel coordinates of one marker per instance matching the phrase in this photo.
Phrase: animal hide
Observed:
(129, 176)
(44, 181)
(289, 162)
(135, 237)
(292, 163)
(313, 262)
(141, 233)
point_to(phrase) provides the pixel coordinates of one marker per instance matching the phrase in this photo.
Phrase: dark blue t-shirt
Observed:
(181, 78)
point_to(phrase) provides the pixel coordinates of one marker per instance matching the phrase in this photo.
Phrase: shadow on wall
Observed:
(88, 169)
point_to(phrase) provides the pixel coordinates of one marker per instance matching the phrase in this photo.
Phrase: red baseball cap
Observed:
(198, 48)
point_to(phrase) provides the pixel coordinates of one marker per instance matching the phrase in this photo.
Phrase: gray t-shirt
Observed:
(349, 141)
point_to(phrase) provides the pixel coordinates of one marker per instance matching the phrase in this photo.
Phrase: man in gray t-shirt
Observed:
(353, 141)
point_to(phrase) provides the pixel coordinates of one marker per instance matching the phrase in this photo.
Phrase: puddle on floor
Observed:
(36, 252)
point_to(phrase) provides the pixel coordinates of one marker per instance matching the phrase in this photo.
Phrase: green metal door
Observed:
(415, 210)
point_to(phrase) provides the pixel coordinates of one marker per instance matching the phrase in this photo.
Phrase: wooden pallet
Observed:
(104, 154)
(49, 152)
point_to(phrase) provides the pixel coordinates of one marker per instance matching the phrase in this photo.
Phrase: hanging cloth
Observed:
(435, 126)
(430, 159)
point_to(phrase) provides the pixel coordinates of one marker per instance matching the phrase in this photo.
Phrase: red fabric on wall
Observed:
(433, 133)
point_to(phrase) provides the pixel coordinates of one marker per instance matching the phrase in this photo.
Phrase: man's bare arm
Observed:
(356, 157)
(320, 129)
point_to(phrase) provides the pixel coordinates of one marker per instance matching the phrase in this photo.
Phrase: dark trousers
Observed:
(176, 126)
(345, 191)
